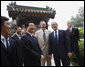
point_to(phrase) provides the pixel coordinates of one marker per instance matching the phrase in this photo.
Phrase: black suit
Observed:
(31, 51)
(18, 48)
(8, 56)
(60, 49)
(74, 37)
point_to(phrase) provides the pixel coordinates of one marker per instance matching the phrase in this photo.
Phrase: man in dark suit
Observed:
(73, 34)
(32, 54)
(17, 37)
(59, 46)
(8, 50)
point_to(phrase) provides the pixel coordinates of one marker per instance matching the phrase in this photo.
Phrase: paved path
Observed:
(53, 63)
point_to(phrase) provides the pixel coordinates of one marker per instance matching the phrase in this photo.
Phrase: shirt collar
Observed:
(70, 28)
(29, 33)
(42, 29)
(3, 38)
(17, 34)
(56, 30)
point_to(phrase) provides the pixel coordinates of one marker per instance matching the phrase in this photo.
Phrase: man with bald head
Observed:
(43, 37)
(59, 46)
(32, 54)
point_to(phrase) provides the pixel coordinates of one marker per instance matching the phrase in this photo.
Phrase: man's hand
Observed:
(50, 56)
(69, 54)
(42, 57)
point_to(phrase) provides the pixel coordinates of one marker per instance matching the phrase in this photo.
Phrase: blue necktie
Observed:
(56, 40)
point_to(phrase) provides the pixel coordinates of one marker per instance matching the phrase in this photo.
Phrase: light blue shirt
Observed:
(3, 40)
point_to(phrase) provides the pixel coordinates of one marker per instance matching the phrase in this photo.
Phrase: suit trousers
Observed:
(46, 59)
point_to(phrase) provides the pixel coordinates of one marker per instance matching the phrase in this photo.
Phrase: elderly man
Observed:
(74, 37)
(43, 38)
(59, 45)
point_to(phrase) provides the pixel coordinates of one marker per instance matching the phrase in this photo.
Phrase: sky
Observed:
(64, 10)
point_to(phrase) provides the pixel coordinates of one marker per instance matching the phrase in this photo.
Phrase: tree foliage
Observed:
(78, 21)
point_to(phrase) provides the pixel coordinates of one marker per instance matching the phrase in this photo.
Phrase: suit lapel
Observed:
(53, 35)
(17, 37)
(59, 35)
(30, 39)
(11, 43)
(69, 32)
(3, 46)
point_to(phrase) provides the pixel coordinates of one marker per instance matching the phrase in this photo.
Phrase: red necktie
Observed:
(70, 30)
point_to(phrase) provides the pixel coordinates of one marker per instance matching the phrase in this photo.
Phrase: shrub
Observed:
(81, 32)
(81, 50)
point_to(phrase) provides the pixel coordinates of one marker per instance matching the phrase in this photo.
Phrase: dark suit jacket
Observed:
(74, 37)
(18, 48)
(8, 57)
(62, 48)
(31, 51)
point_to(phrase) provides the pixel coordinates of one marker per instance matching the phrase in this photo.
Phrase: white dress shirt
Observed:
(3, 40)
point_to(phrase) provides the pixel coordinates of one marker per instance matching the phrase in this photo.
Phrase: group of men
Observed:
(36, 48)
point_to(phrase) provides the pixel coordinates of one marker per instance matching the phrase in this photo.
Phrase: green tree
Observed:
(81, 31)
(78, 21)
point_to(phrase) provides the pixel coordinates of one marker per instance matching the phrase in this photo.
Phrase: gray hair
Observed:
(54, 23)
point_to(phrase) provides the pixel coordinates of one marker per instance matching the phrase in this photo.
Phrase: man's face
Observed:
(6, 28)
(23, 32)
(54, 26)
(43, 25)
(69, 25)
(19, 30)
(31, 28)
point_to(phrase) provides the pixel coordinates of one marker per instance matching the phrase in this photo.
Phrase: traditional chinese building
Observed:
(23, 14)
